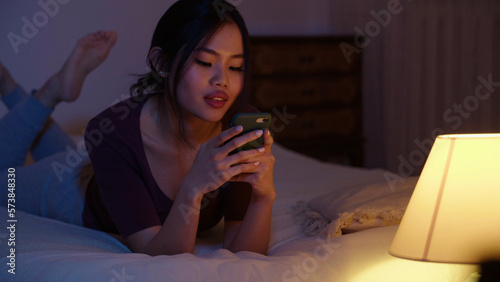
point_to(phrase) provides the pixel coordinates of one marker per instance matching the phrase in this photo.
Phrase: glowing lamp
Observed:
(454, 213)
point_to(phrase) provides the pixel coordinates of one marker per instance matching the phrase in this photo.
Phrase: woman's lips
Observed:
(217, 99)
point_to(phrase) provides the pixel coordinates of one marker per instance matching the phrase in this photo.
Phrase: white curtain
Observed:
(434, 68)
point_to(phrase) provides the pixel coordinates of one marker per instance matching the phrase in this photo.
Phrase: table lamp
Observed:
(454, 213)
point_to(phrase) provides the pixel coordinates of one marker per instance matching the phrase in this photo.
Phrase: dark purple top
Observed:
(123, 197)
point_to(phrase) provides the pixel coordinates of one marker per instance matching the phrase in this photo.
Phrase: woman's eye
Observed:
(203, 63)
(236, 68)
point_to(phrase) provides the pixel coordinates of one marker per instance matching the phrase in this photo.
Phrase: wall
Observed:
(430, 67)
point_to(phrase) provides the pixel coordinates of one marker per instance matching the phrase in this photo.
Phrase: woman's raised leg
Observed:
(64, 86)
(50, 187)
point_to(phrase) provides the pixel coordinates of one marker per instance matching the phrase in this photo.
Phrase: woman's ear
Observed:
(157, 58)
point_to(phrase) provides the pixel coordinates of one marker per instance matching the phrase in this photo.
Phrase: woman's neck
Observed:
(197, 131)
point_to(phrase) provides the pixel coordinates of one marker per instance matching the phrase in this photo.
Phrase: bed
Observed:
(329, 223)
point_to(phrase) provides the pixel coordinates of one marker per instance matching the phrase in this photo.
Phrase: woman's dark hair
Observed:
(185, 26)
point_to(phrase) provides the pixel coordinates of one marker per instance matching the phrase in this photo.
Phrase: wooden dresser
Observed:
(313, 93)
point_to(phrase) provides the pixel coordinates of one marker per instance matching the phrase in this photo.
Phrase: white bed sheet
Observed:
(49, 250)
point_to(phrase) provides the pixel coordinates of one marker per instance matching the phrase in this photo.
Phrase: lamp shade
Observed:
(454, 213)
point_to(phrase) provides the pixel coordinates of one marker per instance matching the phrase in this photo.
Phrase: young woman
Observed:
(161, 159)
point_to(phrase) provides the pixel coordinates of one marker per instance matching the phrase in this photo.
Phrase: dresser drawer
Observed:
(306, 92)
(307, 124)
(300, 58)
(313, 93)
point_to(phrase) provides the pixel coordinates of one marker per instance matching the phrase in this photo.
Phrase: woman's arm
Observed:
(211, 168)
(253, 232)
(176, 235)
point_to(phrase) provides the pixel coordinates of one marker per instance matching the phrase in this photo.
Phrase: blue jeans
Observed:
(53, 186)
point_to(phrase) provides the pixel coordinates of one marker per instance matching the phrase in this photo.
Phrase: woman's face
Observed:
(214, 77)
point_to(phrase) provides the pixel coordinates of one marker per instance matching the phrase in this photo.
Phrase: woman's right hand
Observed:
(213, 166)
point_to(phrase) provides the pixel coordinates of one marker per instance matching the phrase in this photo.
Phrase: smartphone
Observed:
(251, 122)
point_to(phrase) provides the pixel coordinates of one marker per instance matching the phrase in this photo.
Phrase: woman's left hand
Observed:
(261, 178)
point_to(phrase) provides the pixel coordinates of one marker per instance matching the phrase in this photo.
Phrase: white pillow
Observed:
(354, 208)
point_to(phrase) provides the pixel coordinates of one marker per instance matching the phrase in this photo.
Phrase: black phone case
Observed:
(251, 122)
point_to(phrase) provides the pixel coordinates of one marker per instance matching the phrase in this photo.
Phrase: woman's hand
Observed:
(213, 166)
(261, 176)
(253, 232)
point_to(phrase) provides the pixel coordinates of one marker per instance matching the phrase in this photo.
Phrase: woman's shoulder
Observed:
(119, 121)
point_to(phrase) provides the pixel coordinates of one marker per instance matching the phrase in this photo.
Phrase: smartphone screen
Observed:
(251, 122)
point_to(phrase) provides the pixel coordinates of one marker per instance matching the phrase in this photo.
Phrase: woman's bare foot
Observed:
(88, 54)
(7, 83)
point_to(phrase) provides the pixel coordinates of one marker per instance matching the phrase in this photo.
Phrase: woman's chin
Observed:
(214, 116)
(211, 117)
(208, 115)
